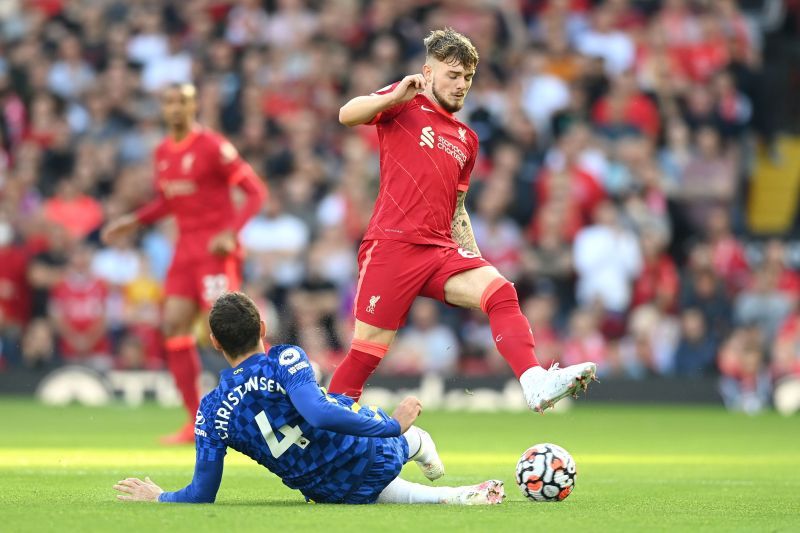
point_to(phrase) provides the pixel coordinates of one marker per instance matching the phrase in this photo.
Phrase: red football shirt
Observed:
(15, 293)
(426, 157)
(81, 304)
(193, 181)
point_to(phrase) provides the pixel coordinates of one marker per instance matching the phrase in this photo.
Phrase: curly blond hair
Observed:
(451, 47)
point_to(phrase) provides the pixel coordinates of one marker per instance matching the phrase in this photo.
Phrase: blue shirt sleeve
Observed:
(294, 368)
(324, 413)
(209, 460)
(204, 485)
(297, 377)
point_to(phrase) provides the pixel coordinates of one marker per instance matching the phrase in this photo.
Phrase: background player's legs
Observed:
(402, 491)
(183, 360)
(370, 344)
(484, 288)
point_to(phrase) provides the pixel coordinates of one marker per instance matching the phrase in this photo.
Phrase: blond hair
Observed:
(451, 47)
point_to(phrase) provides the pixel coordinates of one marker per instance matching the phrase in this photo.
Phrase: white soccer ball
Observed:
(546, 473)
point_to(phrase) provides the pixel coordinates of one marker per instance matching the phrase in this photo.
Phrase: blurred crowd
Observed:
(617, 141)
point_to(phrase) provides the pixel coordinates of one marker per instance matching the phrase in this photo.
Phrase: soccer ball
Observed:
(546, 473)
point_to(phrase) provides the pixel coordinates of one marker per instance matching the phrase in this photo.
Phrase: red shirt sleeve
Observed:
(237, 172)
(387, 114)
(153, 210)
(255, 195)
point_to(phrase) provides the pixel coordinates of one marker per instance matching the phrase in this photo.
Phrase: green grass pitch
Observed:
(646, 468)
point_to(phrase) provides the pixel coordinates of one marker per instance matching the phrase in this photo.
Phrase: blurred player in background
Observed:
(269, 407)
(420, 240)
(195, 171)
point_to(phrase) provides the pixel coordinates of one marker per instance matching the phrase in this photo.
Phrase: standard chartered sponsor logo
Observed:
(452, 150)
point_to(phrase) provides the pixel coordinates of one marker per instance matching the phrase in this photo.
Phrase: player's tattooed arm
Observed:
(462, 227)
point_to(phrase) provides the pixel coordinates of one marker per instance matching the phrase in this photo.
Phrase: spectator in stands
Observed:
(70, 76)
(776, 261)
(727, 253)
(550, 256)
(702, 289)
(649, 348)
(658, 282)
(275, 240)
(15, 297)
(78, 313)
(627, 104)
(745, 383)
(585, 342)
(500, 237)
(675, 156)
(785, 354)
(543, 93)
(141, 309)
(734, 109)
(603, 40)
(48, 267)
(762, 304)
(79, 213)
(709, 179)
(607, 259)
(426, 346)
(697, 351)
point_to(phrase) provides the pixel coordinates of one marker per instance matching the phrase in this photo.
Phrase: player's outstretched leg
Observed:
(422, 451)
(514, 340)
(489, 492)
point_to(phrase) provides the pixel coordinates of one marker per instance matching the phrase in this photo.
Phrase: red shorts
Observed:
(392, 273)
(203, 280)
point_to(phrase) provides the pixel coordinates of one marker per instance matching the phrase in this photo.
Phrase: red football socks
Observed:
(184, 364)
(361, 361)
(510, 329)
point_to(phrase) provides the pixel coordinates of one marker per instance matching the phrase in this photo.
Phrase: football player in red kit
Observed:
(419, 241)
(195, 170)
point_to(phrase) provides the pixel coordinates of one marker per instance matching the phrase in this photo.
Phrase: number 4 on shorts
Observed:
(291, 435)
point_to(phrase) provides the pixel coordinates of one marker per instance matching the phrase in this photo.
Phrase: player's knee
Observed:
(373, 334)
(175, 328)
(499, 292)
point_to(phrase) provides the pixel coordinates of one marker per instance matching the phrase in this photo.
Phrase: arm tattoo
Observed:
(462, 228)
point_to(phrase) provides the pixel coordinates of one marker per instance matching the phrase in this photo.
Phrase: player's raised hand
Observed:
(135, 490)
(119, 227)
(408, 88)
(407, 412)
(223, 243)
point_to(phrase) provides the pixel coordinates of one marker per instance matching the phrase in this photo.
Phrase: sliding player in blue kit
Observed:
(269, 407)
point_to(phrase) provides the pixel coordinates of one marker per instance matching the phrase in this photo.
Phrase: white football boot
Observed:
(427, 458)
(487, 493)
(543, 388)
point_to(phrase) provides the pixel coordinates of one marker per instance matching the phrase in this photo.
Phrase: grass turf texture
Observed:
(639, 469)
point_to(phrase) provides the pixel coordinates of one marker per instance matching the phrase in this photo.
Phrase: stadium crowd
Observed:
(617, 140)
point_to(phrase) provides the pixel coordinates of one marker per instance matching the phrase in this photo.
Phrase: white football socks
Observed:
(416, 451)
(402, 491)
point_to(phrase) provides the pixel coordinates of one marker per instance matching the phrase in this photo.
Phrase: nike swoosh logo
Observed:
(429, 110)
